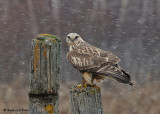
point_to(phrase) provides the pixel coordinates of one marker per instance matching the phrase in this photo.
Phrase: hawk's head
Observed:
(73, 39)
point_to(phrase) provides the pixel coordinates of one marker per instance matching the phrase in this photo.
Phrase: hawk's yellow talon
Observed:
(80, 85)
(81, 90)
(96, 87)
(84, 85)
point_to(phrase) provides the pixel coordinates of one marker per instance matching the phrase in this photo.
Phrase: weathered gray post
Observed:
(86, 100)
(45, 71)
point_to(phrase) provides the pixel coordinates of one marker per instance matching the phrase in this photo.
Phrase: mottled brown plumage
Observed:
(94, 63)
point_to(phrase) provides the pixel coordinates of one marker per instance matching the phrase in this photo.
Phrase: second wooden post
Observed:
(86, 100)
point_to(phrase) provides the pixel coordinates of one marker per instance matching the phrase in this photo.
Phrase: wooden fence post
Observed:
(86, 100)
(44, 78)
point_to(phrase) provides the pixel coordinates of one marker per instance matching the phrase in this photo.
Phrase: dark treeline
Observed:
(129, 29)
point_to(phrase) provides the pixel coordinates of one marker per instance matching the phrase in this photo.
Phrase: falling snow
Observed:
(129, 29)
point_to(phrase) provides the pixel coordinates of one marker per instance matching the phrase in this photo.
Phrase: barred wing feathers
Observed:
(94, 60)
(115, 72)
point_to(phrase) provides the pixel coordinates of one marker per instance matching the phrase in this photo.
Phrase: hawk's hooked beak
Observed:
(71, 38)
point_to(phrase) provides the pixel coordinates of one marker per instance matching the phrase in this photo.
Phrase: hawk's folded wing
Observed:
(87, 57)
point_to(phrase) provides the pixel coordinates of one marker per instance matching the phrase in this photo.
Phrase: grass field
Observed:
(116, 98)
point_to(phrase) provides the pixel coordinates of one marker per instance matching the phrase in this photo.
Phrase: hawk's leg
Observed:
(87, 79)
(86, 84)
(92, 84)
(94, 76)
(83, 81)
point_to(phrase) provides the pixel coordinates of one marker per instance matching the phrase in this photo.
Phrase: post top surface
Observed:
(43, 37)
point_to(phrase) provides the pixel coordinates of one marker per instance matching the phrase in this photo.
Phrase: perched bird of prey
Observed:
(94, 63)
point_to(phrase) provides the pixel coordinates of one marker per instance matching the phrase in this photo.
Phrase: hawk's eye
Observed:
(76, 37)
(69, 37)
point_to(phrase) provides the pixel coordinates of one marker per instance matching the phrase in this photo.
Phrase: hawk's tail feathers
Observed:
(116, 73)
(126, 75)
(122, 78)
(131, 83)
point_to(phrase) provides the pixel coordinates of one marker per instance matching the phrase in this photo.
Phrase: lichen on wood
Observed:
(36, 57)
(86, 100)
(50, 108)
(45, 62)
(43, 104)
(45, 71)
